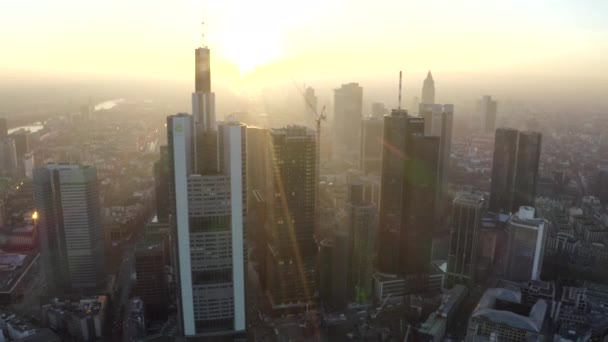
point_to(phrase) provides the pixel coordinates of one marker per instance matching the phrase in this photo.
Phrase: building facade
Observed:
(69, 225)
(348, 112)
(486, 109)
(370, 160)
(428, 90)
(291, 248)
(526, 246)
(362, 221)
(462, 259)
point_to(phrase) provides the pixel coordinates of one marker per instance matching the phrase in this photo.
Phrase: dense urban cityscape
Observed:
(340, 219)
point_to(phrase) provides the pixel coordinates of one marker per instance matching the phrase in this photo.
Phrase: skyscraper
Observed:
(526, 248)
(445, 150)
(418, 218)
(428, 89)
(514, 170)
(348, 112)
(370, 157)
(291, 248)
(310, 104)
(486, 109)
(503, 170)
(22, 144)
(462, 259)
(207, 164)
(526, 174)
(399, 129)
(410, 164)
(161, 183)
(203, 111)
(67, 199)
(361, 220)
(378, 110)
(202, 70)
(209, 233)
(438, 122)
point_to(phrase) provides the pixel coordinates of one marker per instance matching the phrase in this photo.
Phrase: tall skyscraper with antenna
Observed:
(410, 164)
(207, 168)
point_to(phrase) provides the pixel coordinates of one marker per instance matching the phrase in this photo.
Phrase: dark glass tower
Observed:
(399, 131)
(291, 254)
(462, 258)
(514, 170)
(370, 156)
(503, 170)
(418, 218)
(528, 156)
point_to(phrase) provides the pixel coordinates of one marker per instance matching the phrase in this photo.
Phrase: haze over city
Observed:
(416, 171)
(517, 49)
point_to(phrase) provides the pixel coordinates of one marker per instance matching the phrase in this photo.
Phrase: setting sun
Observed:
(249, 41)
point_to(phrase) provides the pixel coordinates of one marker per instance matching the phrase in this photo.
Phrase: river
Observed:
(36, 126)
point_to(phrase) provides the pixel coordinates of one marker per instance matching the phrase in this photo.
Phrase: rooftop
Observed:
(85, 306)
(503, 306)
(12, 269)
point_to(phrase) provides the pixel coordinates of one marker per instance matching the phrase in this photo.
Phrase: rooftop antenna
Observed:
(203, 34)
(400, 89)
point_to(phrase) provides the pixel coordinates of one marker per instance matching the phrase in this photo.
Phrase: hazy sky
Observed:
(310, 39)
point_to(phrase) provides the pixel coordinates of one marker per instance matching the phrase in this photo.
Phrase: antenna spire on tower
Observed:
(203, 34)
(400, 74)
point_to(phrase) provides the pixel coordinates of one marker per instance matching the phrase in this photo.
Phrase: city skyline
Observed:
(324, 203)
(75, 45)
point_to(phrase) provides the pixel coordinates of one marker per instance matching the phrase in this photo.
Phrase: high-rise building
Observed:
(257, 151)
(208, 193)
(431, 113)
(69, 224)
(291, 248)
(418, 217)
(362, 221)
(378, 110)
(514, 169)
(399, 130)
(203, 111)
(22, 143)
(486, 109)
(209, 234)
(3, 128)
(202, 70)
(462, 259)
(503, 170)
(438, 121)
(310, 105)
(161, 180)
(526, 173)
(152, 286)
(526, 248)
(428, 89)
(348, 112)
(370, 160)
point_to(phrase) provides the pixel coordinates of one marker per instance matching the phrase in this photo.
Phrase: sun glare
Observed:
(251, 40)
